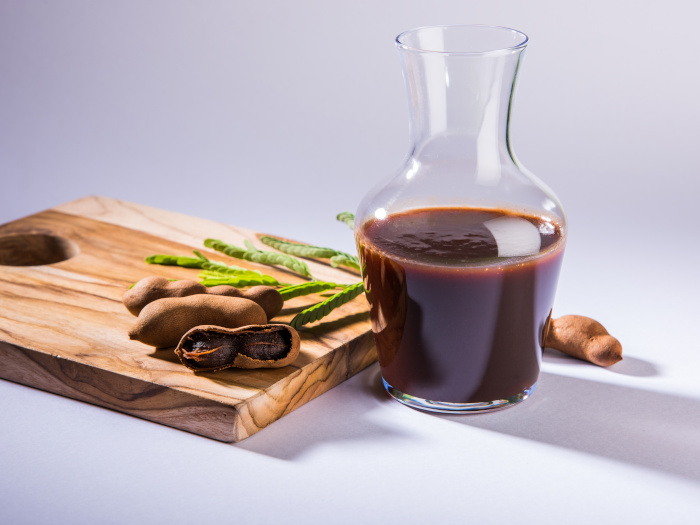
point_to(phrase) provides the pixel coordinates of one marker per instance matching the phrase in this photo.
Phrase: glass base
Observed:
(456, 408)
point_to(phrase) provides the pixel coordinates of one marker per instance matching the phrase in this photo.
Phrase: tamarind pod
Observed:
(267, 297)
(210, 348)
(163, 322)
(151, 289)
(583, 338)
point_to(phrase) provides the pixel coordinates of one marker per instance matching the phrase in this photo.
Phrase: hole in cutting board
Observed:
(34, 249)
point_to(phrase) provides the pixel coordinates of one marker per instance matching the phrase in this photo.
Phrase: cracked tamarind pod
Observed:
(211, 348)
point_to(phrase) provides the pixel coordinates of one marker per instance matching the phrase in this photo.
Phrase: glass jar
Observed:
(461, 248)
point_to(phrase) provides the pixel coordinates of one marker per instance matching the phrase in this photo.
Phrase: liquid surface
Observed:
(459, 298)
(461, 237)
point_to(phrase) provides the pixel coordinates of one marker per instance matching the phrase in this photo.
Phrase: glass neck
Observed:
(460, 104)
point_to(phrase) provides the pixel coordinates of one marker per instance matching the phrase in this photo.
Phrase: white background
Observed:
(278, 115)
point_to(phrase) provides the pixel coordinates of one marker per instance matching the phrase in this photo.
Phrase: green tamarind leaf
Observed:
(240, 281)
(344, 259)
(297, 290)
(175, 260)
(199, 262)
(300, 250)
(228, 270)
(240, 275)
(348, 218)
(262, 257)
(200, 256)
(322, 309)
(250, 246)
(337, 258)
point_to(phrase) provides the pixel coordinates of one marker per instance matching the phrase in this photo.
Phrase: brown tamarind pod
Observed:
(153, 288)
(163, 322)
(210, 348)
(583, 338)
(266, 296)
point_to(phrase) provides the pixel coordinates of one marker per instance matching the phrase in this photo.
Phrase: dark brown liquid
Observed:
(453, 321)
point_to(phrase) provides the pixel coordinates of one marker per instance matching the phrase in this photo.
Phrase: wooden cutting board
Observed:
(63, 327)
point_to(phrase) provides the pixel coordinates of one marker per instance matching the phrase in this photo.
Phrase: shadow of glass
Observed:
(648, 429)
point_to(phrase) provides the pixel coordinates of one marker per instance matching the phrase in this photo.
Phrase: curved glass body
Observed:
(461, 248)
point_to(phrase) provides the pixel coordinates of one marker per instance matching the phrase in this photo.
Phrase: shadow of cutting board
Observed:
(63, 327)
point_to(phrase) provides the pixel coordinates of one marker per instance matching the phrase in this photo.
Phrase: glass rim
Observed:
(406, 47)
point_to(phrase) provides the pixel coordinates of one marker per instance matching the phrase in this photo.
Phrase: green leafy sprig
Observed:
(300, 250)
(337, 258)
(322, 309)
(239, 281)
(348, 218)
(215, 273)
(344, 259)
(175, 260)
(298, 290)
(259, 256)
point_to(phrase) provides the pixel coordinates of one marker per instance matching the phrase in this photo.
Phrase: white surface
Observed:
(276, 116)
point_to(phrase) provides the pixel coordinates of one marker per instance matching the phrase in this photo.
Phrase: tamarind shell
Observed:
(152, 288)
(211, 348)
(583, 338)
(163, 322)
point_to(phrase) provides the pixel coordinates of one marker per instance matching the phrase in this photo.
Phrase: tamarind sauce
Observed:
(459, 298)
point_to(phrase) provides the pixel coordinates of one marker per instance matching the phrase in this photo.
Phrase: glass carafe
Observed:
(461, 248)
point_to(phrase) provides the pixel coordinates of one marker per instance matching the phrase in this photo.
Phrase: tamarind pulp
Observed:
(210, 348)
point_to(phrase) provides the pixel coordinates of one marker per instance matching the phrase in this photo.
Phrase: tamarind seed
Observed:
(209, 352)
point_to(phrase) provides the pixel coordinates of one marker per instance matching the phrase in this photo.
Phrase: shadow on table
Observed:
(337, 416)
(649, 429)
(629, 366)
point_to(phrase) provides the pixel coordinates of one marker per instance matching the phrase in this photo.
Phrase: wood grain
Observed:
(64, 329)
